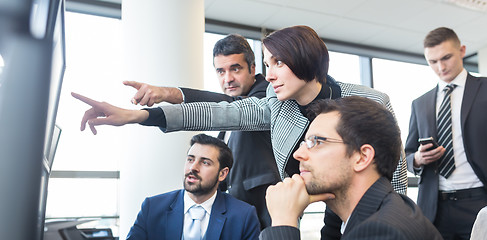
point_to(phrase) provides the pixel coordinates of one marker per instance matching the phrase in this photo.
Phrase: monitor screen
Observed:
(55, 30)
(55, 33)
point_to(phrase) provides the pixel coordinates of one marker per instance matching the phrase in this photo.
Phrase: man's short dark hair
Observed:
(364, 121)
(235, 44)
(302, 50)
(225, 157)
(439, 36)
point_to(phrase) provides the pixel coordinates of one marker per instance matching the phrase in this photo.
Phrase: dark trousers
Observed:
(457, 212)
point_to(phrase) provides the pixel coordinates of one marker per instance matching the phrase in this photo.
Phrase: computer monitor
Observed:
(29, 95)
(54, 32)
(44, 183)
(42, 205)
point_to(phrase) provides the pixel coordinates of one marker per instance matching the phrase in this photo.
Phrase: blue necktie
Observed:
(193, 232)
(447, 161)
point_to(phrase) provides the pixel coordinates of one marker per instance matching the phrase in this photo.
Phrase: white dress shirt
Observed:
(207, 205)
(463, 176)
(344, 225)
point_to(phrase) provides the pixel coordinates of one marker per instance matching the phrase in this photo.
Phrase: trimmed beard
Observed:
(199, 189)
(318, 186)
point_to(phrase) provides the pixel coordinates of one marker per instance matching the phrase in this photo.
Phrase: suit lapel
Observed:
(430, 111)
(428, 190)
(472, 86)
(175, 218)
(369, 203)
(289, 127)
(217, 217)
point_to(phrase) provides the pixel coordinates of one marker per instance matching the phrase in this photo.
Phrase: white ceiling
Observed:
(392, 24)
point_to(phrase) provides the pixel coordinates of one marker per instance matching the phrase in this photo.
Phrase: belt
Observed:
(454, 195)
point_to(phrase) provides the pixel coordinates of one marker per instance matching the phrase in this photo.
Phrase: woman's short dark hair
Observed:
(364, 121)
(225, 156)
(302, 50)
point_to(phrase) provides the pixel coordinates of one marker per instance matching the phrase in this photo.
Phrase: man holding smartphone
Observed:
(453, 182)
(428, 140)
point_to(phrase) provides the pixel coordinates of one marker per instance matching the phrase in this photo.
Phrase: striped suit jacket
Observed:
(283, 118)
(381, 213)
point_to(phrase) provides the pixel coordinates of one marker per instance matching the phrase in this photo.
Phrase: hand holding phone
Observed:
(424, 141)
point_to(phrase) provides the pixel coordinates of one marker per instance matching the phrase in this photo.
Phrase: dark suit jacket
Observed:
(162, 217)
(380, 214)
(474, 130)
(254, 164)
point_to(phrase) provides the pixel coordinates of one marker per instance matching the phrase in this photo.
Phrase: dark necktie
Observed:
(447, 161)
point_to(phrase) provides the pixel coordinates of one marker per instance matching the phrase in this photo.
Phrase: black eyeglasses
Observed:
(311, 141)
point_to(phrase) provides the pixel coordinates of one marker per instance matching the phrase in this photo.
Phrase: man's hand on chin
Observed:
(287, 200)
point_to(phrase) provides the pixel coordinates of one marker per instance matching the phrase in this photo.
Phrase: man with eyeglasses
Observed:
(347, 159)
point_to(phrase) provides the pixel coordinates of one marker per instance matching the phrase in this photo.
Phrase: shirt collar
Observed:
(459, 81)
(344, 225)
(188, 202)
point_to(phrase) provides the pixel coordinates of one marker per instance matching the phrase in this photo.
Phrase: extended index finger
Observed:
(84, 99)
(133, 84)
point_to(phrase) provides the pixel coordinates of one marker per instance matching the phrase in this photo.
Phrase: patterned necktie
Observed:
(193, 232)
(447, 161)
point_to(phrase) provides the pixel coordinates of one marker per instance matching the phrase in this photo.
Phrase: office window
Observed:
(403, 82)
(344, 67)
(82, 197)
(93, 68)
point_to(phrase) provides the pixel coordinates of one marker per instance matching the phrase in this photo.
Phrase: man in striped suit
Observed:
(347, 159)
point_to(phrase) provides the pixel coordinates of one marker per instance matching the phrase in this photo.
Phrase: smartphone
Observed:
(424, 141)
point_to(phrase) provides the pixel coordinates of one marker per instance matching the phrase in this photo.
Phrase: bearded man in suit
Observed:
(170, 215)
